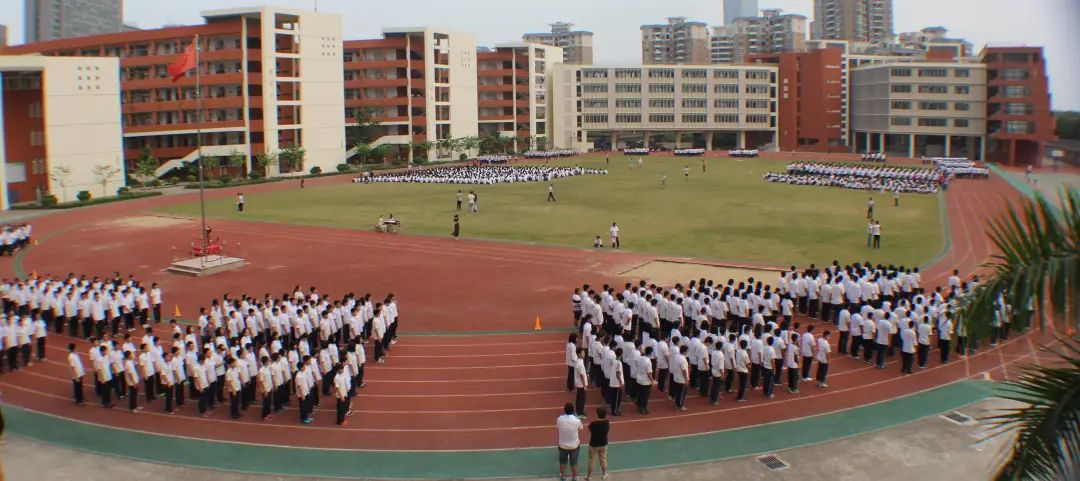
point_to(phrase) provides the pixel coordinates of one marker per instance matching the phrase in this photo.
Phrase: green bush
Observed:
(154, 183)
(192, 178)
(463, 157)
(225, 179)
(83, 195)
(49, 200)
(315, 170)
(343, 168)
(255, 175)
(172, 180)
(123, 191)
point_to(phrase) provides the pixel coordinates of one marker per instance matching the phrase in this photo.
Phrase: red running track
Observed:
(451, 391)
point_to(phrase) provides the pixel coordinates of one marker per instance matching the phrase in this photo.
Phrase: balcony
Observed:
(154, 128)
(378, 82)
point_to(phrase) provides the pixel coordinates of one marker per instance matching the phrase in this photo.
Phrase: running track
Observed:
(448, 392)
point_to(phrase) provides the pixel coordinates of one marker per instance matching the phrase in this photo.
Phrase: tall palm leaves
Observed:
(1038, 270)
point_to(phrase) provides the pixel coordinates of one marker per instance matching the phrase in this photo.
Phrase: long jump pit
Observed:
(670, 272)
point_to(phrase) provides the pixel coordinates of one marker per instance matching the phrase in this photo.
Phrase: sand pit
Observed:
(667, 273)
(149, 221)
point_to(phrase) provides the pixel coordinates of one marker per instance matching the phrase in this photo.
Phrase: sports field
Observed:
(726, 213)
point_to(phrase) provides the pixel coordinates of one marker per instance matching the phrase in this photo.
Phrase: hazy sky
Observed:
(1054, 24)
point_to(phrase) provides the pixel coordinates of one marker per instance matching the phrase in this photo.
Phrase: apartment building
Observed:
(739, 8)
(271, 78)
(57, 19)
(771, 32)
(670, 106)
(1020, 120)
(856, 20)
(577, 45)
(811, 101)
(935, 42)
(59, 121)
(419, 83)
(920, 108)
(677, 42)
(512, 85)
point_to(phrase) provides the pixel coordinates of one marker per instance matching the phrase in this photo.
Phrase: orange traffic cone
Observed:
(35, 242)
(536, 326)
(177, 309)
(33, 275)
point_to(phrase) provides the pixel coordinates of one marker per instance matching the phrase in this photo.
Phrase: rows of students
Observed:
(14, 237)
(548, 154)
(723, 338)
(243, 348)
(490, 174)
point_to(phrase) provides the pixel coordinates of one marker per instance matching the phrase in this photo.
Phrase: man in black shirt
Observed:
(598, 441)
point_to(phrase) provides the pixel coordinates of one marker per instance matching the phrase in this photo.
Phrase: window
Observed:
(726, 103)
(694, 73)
(962, 73)
(596, 118)
(661, 88)
(594, 73)
(901, 104)
(933, 72)
(37, 138)
(962, 89)
(661, 118)
(35, 111)
(1016, 91)
(1014, 74)
(628, 103)
(902, 121)
(595, 88)
(933, 89)
(757, 104)
(757, 119)
(628, 88)
(1017, 108)
(695, 103)
(933, 106)
(595, 103)
(962, 123)
(728, 74)
(726, 89)
(929, 122)
(695, 88)
(901, 89)
(627, 73)
(726, 118)
(628, 118)
(662, 103)
(757, 89)
(756, 75)
(962, 106)
(900, 72)
(1017, 127)
(661, 73)
(695, 118)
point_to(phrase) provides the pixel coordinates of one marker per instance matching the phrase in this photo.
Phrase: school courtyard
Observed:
(472, 389)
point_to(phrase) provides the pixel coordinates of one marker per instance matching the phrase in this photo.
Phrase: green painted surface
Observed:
(743, 217)
(488, 464)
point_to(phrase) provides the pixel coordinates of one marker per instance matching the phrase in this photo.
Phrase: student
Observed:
(616, 384)
(41, 330)
(680, 375)
(457, 198)
(456, 233)
(823, 350)
(882, 337)
(240, 202)
(870, 233)
(870, 208)
(598, 243)
(718, 365)
(155, 301)
(551, 193)
(767, 356)
(472, 202)
(644, 378)
(791, 362)
(806, 351)
(923, 337)
(945, 338)
(742, 368)
(168, 386)
(76, 370)
(598, 442)
(201, 384)
(686, 172)
(131, 378)
(569, 427)
(614, 235)
(907, 347)
(877, 234)
(571, 360)
(233, 386)
(341, 393)
(663, 179)
(581, 383)
(103, 377)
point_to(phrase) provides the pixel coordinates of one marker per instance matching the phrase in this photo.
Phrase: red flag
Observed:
(181, 66)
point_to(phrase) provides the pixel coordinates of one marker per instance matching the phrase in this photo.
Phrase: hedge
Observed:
(93, 201)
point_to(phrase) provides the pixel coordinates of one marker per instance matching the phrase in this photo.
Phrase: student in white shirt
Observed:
(717, 364)
(923, 332)
(265, 383)
(807, 344)
(571, 360)
(41, 331)
(742, 368)
(131, 378)
(581, 383)
(945, 338)
(103, 376)
(882, 337)
(822, 355)
(680, 376)
(614, 235)
(77, 373)
(791, 362)
(908, 339)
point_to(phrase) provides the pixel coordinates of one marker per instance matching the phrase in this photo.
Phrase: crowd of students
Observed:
(874, 157)
(745, 153)
(241, 350)
(689, 152)
(549, 154)
(863, 177)
(636, 151)
(480, 175)
(14, 237)
(716, 339)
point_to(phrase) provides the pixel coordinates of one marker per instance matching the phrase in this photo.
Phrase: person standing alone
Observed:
(457, 225)
(551, 193)
(876, 230)
(569, 426)
(598, 442)
(614, 235)
(870, 208)
(240, 202)
(458, 198)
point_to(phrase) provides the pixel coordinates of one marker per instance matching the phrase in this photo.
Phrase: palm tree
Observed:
(1038, 266)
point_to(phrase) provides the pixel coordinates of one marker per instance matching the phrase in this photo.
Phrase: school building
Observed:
(513, 81)
(59, 128)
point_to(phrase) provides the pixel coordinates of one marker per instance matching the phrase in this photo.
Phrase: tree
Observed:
(362, 150)
(60, 174)
(445, 145)
(146, 165)
(210, 163)
(1038, 266)
(366, 129)
(264, 160)
(104, 173)
(1068, 125)
(293, 157)
(239, 160)
(381, 152)
(420, 151)
(465, 144)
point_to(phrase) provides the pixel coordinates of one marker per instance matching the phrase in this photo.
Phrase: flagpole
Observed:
(198, 142)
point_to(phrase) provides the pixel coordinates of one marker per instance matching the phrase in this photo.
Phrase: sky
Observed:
(1053, 24)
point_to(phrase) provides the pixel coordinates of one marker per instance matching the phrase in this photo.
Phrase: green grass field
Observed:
(726, 213)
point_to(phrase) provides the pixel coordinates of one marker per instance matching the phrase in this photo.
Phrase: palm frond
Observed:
(1047, 439)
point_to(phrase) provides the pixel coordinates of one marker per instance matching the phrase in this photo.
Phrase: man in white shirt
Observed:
(908, 339)
(644, 378)
(806, 350)
(883, 334)
(76, 370)
(569, 427)
(680, 375)
(922, 332)
(822, 355)
(581, 383)
(614, 235)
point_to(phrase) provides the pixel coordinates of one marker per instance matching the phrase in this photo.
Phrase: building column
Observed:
(948, 145)
(740, 140)
(645, 139)
(982, 148)
(708, 141)
(678, 139)
(1012, 152)
(869, 144)
(614, 140)
(911, 145)
(881, 142)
